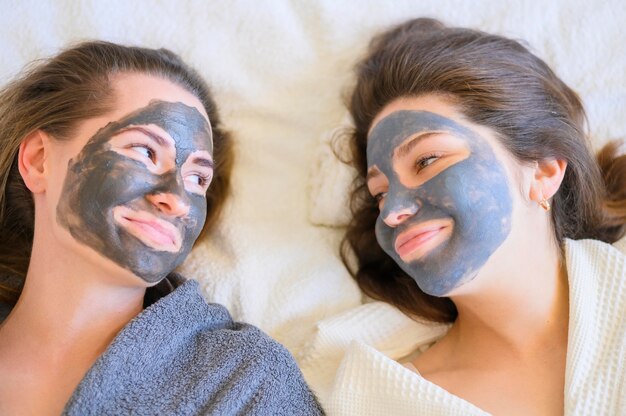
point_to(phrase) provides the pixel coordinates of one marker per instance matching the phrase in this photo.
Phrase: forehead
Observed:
(183, 123)
(134, 90)
(145, 99)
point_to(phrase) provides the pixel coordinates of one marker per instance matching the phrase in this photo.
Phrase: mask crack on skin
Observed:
(471, 195)
(100, 180)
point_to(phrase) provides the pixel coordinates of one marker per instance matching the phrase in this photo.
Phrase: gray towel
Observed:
(182, 356)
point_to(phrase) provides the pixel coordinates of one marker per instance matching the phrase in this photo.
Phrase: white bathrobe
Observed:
(352, 363)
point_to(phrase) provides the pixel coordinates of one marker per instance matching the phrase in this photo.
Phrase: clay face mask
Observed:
(136, 191)
(468, 202)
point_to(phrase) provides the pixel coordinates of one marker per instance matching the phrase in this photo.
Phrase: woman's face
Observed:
(135, 180)
(443, 191)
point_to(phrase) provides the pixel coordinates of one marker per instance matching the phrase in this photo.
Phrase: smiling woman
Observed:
(113, 164)
(426, 205)
(128, 170)
(480, 206)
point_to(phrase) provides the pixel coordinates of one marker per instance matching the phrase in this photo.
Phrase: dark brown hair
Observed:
(498, 83)
(55, 96)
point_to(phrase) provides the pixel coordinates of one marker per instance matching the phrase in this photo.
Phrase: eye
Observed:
(380, 196)
(198, 179)
(425, 161)
(198, 182)
(144, 150)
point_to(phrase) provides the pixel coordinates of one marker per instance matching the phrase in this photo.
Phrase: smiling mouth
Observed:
(154, 232)
(416, 242)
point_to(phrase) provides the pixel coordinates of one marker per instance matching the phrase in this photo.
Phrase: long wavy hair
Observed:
(498, 83)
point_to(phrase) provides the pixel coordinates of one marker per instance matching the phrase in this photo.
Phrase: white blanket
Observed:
(279, 69)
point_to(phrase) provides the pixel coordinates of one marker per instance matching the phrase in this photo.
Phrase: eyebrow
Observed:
(406, 148)
(203, 162)
(403, 150)
(155, 137)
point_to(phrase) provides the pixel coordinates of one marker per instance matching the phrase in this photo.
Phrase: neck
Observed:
(526, 310)
(69, 305)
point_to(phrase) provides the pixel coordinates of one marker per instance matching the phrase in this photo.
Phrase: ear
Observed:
(547, 178)
(31, 161)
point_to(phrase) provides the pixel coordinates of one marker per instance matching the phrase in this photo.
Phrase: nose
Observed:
(396, 215)
(169, 204)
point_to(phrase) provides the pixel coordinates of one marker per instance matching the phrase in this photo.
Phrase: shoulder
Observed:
(593, 257)
(182, 355)
(596, 346)
(371, 383)
(259, 374)
(220, 365)
(365, 334)
(241, 341)
(597, 279)
(209, 329)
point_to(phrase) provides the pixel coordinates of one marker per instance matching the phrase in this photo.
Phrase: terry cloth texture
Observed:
(369, 380)
(182, 356)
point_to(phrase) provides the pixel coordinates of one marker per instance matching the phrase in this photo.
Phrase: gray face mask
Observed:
(473, 194)
(100, 179)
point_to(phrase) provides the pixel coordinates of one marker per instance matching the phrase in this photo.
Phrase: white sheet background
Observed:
(278, 69)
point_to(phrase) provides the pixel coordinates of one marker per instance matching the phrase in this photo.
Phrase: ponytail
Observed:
(613, 167)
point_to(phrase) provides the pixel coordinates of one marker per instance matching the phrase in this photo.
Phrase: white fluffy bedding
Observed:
(279, 70)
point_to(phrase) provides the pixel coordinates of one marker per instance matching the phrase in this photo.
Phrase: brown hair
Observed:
(55, 96)
(495, 82)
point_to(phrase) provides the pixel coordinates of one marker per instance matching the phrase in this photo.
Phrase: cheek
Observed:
(468, 188)
(194, 222)
(198, 210)
(117, 181)
(384, 235)
(480, 203)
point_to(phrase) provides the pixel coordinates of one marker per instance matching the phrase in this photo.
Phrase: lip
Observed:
(152, 231)
(419, 240)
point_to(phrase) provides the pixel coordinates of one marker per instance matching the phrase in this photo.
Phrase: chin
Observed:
(465, 286)
(152, 269)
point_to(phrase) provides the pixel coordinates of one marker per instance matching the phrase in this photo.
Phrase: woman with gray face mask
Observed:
(113, 164)
(479, 205)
